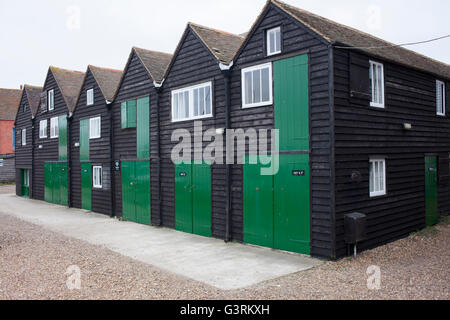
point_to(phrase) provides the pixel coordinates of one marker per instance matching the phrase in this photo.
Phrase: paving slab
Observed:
(226, 266)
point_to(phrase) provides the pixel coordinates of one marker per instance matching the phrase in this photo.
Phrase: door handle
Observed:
(131, 183)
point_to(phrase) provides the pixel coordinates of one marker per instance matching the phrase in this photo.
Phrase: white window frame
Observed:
(1, 162)
(190, 91)
(381, 190)
(90, 97)
(54, 128)
(24, 137)
(51, 100)
(97, 180)
(93, 135)
(440, 85)
(244, 92)
(43, 129)
(372, 102)
(268, 42)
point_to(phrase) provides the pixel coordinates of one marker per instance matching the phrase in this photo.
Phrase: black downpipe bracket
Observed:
(111, 158)
(158, 137)
(226, 78)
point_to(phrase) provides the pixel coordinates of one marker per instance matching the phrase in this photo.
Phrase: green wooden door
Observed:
(25, 182)
(431, 195)
(142, 192)
(62, 139)
(291, 102)
(62, 184)
(48, 182)
(143, 128)
(292, 204)
(136, 191)
(201, 199)
(86, 186)
(128, 190)
(258, 206)
(183, 198)
(84, 140)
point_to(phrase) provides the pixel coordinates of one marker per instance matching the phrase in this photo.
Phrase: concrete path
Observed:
(225, 266)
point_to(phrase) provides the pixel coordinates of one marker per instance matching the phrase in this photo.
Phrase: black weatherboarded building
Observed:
(362, 127)
(28, 107)
(91, 146)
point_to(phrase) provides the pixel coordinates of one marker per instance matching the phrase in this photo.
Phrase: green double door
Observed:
(136, 191)
(25, 182)
(193, 198)
(56, 187)
(277, 206)
(431, 192)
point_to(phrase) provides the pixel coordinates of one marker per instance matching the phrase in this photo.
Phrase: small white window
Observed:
(257, 86)
(54, 128)
(24, 137)
(192, 103)
(273, 41)
(51, 100)
(1, 162)
(376, 75)
(95, 128)
(440, 98)
(377, 179)
(97, 177)
(90, 97)
(26, 178)
(43, 129)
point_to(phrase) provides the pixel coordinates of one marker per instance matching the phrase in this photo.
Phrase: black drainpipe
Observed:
(32, 156)
(111, 159)
(69, 158)
(226, 78)
(158, 167)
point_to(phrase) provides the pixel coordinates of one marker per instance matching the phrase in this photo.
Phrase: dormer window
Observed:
(90, 97)
(274, 41)
(51, 100)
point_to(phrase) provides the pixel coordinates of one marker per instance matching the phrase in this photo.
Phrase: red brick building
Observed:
(9, 102)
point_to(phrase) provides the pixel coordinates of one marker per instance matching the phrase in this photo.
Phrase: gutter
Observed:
(158, 89)
(69, 159)
(111, 158)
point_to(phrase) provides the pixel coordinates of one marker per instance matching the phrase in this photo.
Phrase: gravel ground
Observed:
(33, 263)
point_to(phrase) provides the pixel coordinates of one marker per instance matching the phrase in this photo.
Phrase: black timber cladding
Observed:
(362, 131)
(136, 83)
(296, 39)
(193, 63)
(99, 149)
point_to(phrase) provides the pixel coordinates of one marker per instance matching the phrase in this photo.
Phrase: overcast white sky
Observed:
(35, 34)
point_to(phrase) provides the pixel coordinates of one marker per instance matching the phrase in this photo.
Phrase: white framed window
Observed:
(273, 41)
(440, 98)
(257, 86)
(51, 100)
(24, 137)
(376, 75)
(26, 178)
(377, 181)
(1, 162)
(43, 129)
(90, 97)
(97, 177)
(192, 103)
(95, 128)
(54, 128)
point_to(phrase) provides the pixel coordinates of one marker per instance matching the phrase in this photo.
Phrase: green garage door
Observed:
(277, 208)
(193, 198)
(55, 181)
(136, 191)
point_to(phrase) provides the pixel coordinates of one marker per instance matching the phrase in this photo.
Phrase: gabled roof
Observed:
(107, 79)
(223, 45)
(9, 103)
(155, 62)
(34, 97)
(335, 32)
(69, 83)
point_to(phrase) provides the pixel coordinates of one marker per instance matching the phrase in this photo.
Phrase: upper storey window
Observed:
(376, 75)
(274, 41)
